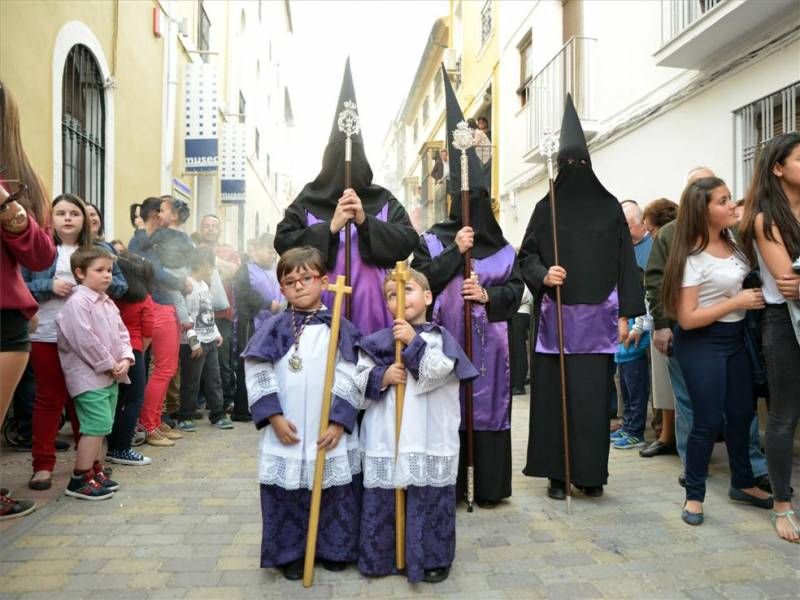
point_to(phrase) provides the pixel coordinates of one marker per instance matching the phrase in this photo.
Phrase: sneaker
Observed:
(223, 423)
(86, 487)
(627, 441)
(615, 435)
(156, 438)
(139, 436)
(241, 418)
(187, 426)
(127, 457)
(13, 509)
(101, 478)
(169, 432)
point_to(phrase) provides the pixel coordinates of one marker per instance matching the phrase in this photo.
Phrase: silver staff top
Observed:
(349, 124)
(463, 140)
(548, 147)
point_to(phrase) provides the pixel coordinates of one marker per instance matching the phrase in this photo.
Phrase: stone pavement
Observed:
(188, 526)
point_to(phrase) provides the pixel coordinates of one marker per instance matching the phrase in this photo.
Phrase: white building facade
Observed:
(661, 87)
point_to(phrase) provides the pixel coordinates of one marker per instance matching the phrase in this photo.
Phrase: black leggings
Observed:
(782, 357)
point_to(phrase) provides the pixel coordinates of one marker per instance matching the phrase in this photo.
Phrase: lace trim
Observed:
(432, 354)
(347, 390)
(261, 382)
(295, 474)
(361, 380)
(413, 468)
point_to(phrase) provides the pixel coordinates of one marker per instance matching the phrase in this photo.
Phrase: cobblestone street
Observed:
(188, 526)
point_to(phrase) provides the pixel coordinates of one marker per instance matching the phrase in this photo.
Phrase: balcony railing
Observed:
(569, 71)
(677, 15)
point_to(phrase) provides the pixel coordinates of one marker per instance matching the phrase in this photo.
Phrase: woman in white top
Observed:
(703, 289)
(771, 234)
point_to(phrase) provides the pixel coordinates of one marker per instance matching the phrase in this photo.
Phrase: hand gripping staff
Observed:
(463, 140)
(548, 147)
(338, 290)
(400, 275)
(349, 124)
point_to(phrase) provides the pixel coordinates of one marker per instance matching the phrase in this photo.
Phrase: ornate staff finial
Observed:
(349, 124)
(463, 140)
(548, 147)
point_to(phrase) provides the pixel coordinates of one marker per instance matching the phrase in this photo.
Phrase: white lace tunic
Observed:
(300, 397)
(429, 441)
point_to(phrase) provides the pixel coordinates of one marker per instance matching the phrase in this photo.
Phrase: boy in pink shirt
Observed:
(95, 352)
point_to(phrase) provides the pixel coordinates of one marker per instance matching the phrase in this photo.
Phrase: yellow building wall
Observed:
(28, 32)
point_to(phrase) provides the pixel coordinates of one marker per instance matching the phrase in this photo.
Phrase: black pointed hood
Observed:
(572, 141)
(591, 226)
(320, 196)
(488, 235)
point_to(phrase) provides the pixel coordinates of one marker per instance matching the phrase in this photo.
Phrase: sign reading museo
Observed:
(201, 144)
(234, 160)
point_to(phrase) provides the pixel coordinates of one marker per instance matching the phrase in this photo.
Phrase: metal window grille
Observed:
(486, 21)
(242, 107)
(83, 120)
(762, 120)
(203, 30)
(425, 110)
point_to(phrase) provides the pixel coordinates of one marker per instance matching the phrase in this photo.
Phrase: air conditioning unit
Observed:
(451, 59)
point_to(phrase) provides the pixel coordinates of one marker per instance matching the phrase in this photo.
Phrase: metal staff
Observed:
(400, 275)
(549, 147)
(349, 124)
(463, 140)
(338, 290)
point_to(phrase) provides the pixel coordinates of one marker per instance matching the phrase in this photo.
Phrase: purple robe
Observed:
(430, 531)
(265, 282)
(491, 391)
(588, 328)
(369, 312)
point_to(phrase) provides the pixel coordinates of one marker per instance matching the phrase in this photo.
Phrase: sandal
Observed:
(40, 484)
(789, 516)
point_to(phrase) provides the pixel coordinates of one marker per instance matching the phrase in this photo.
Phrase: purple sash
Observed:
(265, 283)
(491, 391)
(369, 310)
(588, 328)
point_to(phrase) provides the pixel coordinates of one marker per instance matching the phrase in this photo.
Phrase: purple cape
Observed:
(379, 346)
(275, 338)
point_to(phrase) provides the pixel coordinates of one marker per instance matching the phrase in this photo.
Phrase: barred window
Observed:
(83, 125)
(759, 122)
(486, 21)
(203, 30)
(425, 110)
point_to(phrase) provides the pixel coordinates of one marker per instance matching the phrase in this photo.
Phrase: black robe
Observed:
(589, 377)
(380, 243)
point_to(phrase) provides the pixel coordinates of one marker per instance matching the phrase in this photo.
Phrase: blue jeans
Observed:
(634, 379)
(718, 376)
(683, 421)
(129, 404)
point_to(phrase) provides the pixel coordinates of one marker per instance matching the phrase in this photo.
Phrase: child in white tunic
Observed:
(426, 464)
(285, 364)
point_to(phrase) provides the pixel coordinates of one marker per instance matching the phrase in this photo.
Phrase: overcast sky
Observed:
(384, 40)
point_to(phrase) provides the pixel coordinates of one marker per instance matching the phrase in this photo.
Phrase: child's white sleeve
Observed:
(344, 385)
(260, 380)
(435, 368)
(364, 379)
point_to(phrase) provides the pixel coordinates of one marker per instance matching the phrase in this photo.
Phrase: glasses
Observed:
(305, 280)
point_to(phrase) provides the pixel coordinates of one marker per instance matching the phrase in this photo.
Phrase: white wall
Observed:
(652, 160)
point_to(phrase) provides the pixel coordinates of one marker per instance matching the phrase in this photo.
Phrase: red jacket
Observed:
(32, 248)
(138, 318)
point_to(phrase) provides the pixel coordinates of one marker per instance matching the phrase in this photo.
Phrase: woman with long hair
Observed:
(23, 242)
(770, 232)
(702, 288)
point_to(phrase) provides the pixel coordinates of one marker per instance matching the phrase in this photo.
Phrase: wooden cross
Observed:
(400, 275)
